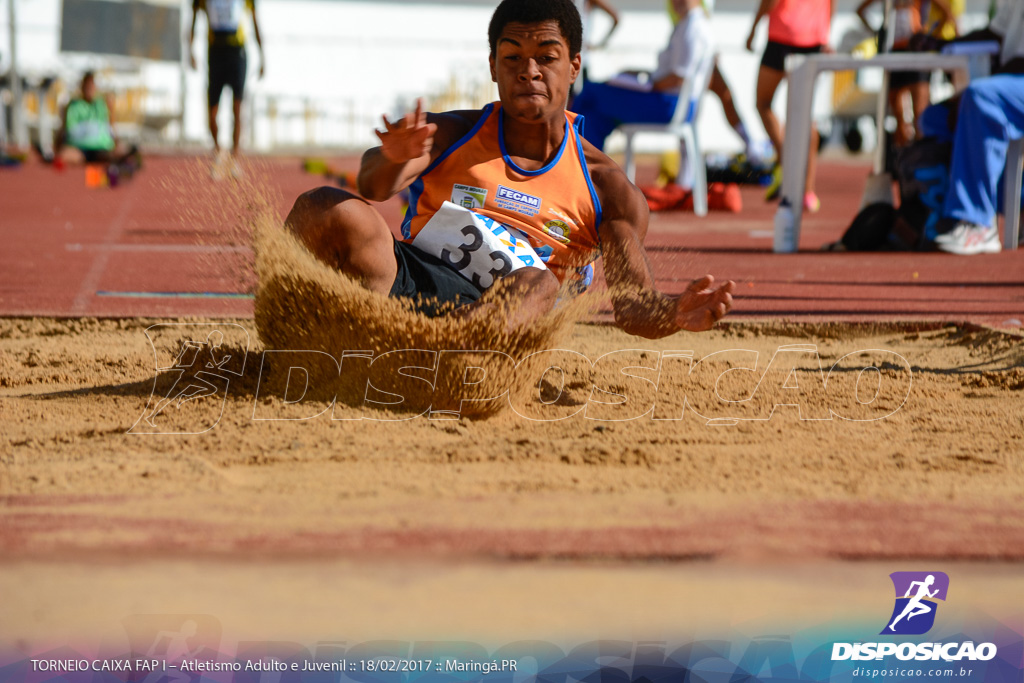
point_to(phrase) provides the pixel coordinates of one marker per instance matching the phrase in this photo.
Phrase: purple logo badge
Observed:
(916, 595)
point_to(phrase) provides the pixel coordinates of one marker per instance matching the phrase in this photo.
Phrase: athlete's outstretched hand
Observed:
(702, 305)
(408, 138)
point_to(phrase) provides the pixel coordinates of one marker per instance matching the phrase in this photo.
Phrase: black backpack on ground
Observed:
(922, 171)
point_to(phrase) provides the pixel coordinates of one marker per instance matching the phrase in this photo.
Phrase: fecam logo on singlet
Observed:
(517, 201)
(468, 197)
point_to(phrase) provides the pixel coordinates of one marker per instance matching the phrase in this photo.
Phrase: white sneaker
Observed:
(968, 239)
(236, 168)
(218, 169)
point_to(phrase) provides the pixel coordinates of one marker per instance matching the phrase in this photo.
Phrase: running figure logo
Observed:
(173, 638)
(914, 612)
(202, 367)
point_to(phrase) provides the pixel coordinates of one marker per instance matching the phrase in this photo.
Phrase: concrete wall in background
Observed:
(358, 59)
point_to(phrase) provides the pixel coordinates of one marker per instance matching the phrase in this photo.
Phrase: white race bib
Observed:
(224, 15)
(480, 248)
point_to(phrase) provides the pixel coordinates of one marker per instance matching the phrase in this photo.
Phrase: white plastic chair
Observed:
(1011, 193)
(683, 129)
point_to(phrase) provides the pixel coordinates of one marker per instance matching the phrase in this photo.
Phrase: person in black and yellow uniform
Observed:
(227, 67)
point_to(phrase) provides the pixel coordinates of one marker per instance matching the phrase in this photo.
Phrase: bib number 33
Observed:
(477, 247)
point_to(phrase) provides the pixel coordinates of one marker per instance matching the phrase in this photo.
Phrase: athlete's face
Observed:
(88, 88)
(534, 70)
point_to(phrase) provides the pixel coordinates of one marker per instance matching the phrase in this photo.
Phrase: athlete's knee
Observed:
(315, 220)
(718, 85)
(317, 207)
(542, 283)
(340, 228)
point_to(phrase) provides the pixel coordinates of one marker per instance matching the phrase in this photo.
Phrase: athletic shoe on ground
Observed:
(219, 167)
(773, 191)
(968, 239)
(236, 168)
(811, 203)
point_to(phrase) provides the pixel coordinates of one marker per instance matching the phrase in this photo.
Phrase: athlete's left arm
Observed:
(639, 307)
(192, 34)
(610, 10)
(259, 41)
(109, 99)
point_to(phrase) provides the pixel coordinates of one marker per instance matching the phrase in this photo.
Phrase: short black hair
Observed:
(534, 11)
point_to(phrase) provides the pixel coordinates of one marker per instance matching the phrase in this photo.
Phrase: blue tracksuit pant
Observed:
(604, 107)
(991, 115)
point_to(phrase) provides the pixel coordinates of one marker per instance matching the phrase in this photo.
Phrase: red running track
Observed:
(163, 245)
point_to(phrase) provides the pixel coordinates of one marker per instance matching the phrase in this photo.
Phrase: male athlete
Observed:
(510, 193)
(226, 59)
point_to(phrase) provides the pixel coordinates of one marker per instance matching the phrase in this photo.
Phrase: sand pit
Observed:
(941, 477)
(679, 491)
(318, 516)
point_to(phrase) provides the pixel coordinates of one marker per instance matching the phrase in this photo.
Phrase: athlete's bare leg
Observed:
(767, 83)
(812, 160)
(236, 131)
(718, 86)
(213, 126)
(904, 130)
(345, 232)
(920, 94)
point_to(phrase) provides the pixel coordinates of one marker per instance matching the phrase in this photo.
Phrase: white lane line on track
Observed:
(160, 248)
(99, 264)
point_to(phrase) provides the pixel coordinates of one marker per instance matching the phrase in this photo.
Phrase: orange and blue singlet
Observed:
(483, 215)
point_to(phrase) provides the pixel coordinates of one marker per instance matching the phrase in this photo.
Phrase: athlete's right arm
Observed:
(762, 11)
(192, 35)
(639, 307)
(863, 17)
(61, 137)
(407, 147)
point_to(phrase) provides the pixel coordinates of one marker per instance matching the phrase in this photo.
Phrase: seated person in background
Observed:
(86, 133)
(907, 20)
(720, 87)
(981, 121)
(628, 99)
(586, 9)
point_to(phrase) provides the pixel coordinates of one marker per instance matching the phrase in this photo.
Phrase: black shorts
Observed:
(97, 156)
(432, 285)
(775, 54)
(227, 68)
(901, 79)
